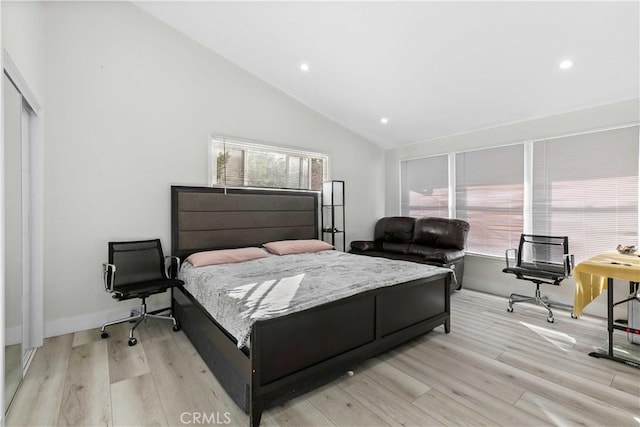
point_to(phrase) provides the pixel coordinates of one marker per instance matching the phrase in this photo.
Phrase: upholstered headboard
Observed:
(206, 218)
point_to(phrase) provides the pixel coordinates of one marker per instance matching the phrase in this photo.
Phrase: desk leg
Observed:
(609, 355)
(610, 313)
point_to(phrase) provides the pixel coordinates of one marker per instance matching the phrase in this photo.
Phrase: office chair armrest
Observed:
(515, 257)
(569, 264)
(171, 266)
(108, 273)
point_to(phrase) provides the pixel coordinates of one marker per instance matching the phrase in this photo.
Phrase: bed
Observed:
(292, 353)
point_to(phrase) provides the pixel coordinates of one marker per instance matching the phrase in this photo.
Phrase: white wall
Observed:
(484, 273)
(130, 104)
(23, 38)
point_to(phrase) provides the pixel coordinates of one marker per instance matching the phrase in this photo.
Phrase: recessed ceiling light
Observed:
(384, 120)
(304, 67)
(566, 64)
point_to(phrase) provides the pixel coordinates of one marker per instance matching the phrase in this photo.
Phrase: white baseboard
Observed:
(68, 325)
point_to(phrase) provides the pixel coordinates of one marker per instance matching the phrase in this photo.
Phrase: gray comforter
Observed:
(238, 295)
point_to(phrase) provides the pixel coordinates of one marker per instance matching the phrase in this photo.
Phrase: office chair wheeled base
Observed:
(538, 300)
(139, 316)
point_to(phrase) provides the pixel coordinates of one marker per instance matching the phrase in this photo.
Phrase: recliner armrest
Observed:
(445, 256)
(436, 254)
(363, 245)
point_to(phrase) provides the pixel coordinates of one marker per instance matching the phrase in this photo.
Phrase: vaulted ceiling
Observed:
(431, 69)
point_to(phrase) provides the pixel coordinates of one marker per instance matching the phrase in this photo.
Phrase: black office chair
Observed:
(138, 270)
(540, 259)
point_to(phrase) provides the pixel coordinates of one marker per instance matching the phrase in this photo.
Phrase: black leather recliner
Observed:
(434, 241)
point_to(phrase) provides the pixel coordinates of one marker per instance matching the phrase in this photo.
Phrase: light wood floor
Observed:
(494, 369)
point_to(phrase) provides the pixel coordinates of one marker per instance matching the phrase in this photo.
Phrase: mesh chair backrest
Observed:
(543, 252)
(137, 261)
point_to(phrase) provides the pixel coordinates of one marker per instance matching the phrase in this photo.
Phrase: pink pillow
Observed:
(287, 247)
(226, 256)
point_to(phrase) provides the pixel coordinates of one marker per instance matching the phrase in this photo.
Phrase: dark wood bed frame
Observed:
(292, 354)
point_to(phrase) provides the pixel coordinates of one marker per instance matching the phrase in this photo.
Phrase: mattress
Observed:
(240, 294)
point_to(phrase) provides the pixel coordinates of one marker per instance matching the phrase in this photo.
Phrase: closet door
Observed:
(13, 229)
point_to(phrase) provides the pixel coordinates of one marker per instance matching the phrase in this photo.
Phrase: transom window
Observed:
(238, 163)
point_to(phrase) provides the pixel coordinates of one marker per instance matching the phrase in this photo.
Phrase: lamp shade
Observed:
(333, 193)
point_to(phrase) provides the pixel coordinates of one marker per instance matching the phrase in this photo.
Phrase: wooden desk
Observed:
(597, 274)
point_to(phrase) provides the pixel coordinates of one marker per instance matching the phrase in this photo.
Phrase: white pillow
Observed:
(226, 256)
(288, 247)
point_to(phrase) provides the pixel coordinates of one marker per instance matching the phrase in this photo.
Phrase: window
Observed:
(490, 196)
(243, 164)
(425, 187)
(582, 186)
(586, 187)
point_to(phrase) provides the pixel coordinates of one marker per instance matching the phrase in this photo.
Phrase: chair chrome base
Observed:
(139, 316)
(538, 300)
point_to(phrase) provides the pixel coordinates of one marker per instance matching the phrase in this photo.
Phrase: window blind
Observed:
(424, 188)
(490, 196)
(586, 187)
